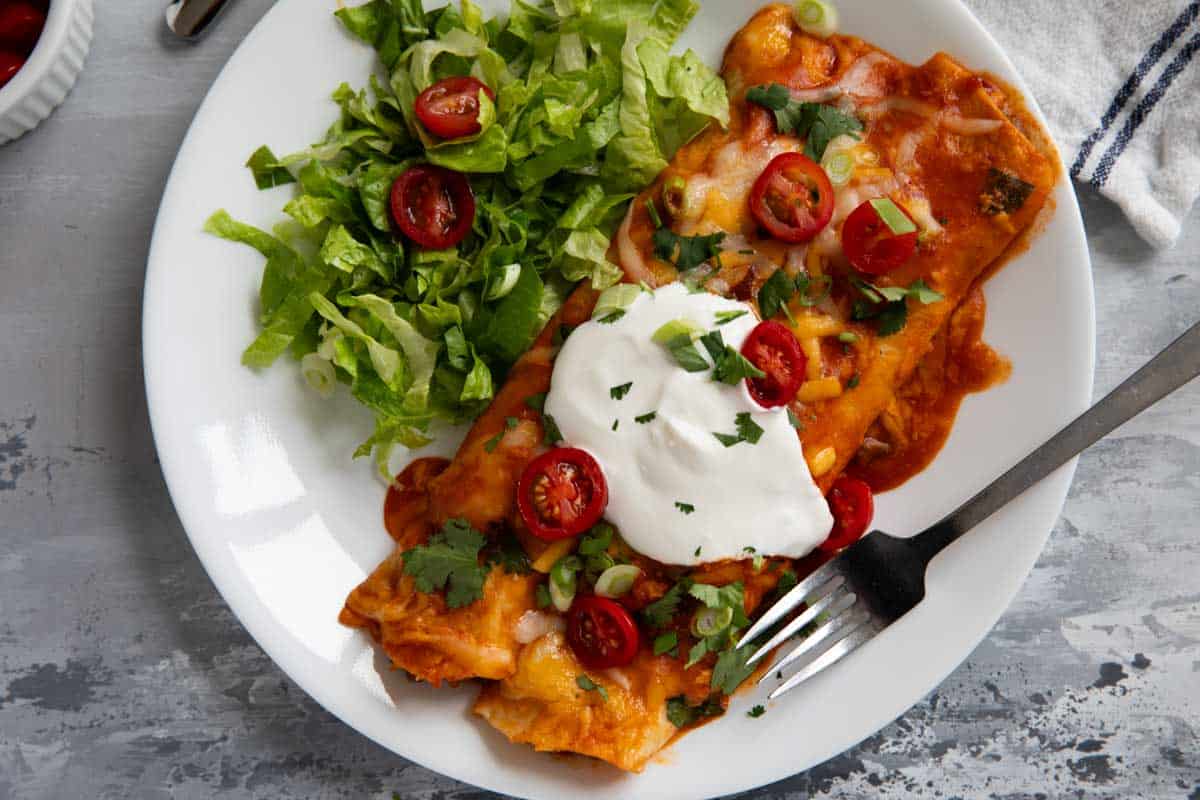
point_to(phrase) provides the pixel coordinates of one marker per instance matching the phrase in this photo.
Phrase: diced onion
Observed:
(503, 282)
(616, 581)
(319, 374)
(817, 17)
(615, 298)
(710, 621)
(533, 625)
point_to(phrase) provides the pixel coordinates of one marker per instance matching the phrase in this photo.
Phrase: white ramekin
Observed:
(51, 70)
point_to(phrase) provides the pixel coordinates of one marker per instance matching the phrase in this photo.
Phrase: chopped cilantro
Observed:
(697, 553)
(617, 392)
(698, 651)
(887, 304)
(686, 508)
(681, 714)
(652, 210)
(731, 670)
(804, 285)
(644, 418)
(853, 382)
(536, 401)
(685, 353)
(662, 610)
(686, 252)
(616, 422)
(589, 685)
(892, 319)
(611, 317)
(724, 317)
(561, 333)
(665, 642)
(756, 712)
(508, 554)
(774, 295)
(818, 124)
(733, 367)
(552, 434)
(490, 444)
(596, 540)
(449, 560)
(747, 431)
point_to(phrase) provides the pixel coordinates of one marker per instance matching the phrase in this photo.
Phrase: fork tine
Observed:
(830, 632)
(790, 600)
(838, 597)
(845, 646)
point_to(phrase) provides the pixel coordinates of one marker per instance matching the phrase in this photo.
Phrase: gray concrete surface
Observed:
(124, 675)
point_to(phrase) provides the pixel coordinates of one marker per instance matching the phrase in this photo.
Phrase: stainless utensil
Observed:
(880, 578)
(190, 19)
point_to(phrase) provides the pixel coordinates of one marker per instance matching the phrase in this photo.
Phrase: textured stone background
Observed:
(123, 674)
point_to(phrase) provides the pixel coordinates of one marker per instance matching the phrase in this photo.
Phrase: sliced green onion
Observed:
(652, 210)
(838, 166)
(676, 327)
(897, 221)
(563, 572)
(615, 298)
(674, 195)
(817, 17)
(319, 374)
(503, 282)
(561, 598)
(847, 337)
(711, 621)
(616, 581)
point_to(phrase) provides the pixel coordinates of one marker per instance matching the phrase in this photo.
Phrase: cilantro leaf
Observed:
(611, 317)
(686, 508)
(589, 685)
(508, 554)
(490, 444)
(817, 124)
(552, 434)
(698, 651)
(774, 295)
(794, 421)
(536, 401)
(733, 367)
(686, 252)
(731, 670)
(725, 317)
(756, 712)
(888, 306)
(618, 392)
(642, 419)
(685, 353)
(747, 428)
(681, 714)
(804, 284)
(714, 343)
(542, 593)
(665, 642)
(663, 610)
(450, 560)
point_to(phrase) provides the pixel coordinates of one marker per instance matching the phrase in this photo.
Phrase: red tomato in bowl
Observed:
(20, 25)
(561, 494)
(601, 633)
(450, 108)
(433, 206)
(792, 198)
(10, 64)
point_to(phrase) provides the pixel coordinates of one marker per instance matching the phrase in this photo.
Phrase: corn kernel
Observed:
(820, 389)
(822, 462)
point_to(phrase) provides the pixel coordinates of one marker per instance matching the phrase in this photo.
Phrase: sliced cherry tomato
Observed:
(772, 348)
(792, 198)
(853, 506)
(20, 25)
(10, 64)
(561, 494)
(602, 633)
(450, 108)
(871, 246)
(433, 206)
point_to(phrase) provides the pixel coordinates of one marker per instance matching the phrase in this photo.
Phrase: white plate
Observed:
(286, 524)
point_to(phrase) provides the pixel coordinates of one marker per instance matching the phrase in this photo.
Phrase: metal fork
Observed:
(880, 578)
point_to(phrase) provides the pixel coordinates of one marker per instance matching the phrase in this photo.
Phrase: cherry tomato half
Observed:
(871, 246)
(792, 198)
(772, 348)
(561, 494)
(450, 108)
(20, 25)
(601, 633)
(10, 64)
(853, 506)
(433, 206)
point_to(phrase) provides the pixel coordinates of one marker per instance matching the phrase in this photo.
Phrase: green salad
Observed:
(584, 106)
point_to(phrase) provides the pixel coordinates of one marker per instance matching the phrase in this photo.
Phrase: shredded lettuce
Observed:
(589, 106)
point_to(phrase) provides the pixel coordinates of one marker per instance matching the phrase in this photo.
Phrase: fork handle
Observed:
(1166, 372)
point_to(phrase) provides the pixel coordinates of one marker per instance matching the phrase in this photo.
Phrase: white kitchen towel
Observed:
(1119, 86)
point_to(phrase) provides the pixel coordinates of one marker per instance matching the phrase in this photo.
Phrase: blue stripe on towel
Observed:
(1133, 81)
(1139, 113)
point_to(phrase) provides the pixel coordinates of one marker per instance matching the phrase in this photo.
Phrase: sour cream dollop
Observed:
(744, 499)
